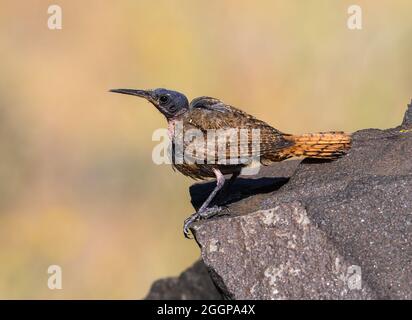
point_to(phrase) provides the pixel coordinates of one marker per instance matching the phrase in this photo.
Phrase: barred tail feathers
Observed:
(323, 145)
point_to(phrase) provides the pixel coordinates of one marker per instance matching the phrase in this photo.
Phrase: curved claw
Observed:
(186, 233)
(187, 223)
(204, 214)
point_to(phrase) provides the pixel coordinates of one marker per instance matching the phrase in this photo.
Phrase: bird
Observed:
(206, 114)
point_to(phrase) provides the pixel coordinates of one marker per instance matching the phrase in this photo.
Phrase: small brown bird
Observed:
(206, 114)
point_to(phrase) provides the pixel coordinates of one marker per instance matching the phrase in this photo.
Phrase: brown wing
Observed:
(233, 129)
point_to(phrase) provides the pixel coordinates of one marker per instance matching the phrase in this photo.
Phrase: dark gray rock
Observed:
(192, 284)
(407, 120)
(370, 222)
(318, 229)
(276, 254)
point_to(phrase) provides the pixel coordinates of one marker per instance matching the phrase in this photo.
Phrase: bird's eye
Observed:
(164, 99)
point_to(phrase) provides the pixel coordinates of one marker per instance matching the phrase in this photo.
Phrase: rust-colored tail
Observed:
(325, 145)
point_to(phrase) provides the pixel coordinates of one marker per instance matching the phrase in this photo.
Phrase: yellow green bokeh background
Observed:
(78, 187)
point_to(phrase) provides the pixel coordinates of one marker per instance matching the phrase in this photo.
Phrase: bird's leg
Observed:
(204, 211)
(220, 181)
(226, 188)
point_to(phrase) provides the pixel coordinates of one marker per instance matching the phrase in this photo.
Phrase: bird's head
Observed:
(170, 103)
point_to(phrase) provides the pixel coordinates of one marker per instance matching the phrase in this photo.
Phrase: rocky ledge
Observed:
(310, 229)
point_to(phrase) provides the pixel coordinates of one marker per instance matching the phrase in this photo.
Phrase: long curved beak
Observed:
(146, 94)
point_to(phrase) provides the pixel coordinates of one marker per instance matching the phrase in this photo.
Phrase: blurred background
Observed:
(78, 187)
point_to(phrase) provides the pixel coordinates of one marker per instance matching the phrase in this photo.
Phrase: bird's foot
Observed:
(209, 212)
(201, 214)
(187, 223)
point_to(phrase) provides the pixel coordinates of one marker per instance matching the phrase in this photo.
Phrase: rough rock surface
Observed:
(193, 284)
(317, 230)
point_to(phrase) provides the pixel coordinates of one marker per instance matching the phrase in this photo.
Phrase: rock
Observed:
(281, 255)
(192, 284)
(318, 229)
(407, 120)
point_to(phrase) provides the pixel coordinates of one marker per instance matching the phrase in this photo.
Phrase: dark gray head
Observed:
(170, 103)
